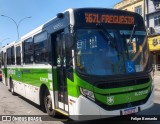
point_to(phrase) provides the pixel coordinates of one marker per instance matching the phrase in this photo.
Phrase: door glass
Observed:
(61, 72)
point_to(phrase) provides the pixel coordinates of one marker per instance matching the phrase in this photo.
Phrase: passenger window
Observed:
(12, 56)
(9, 56)
(28, 51)
(18, 55)
(42, 51)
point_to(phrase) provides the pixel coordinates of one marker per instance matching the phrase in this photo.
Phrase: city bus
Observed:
(85, 61)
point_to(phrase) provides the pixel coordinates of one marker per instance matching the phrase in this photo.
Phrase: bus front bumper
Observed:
(85, 109)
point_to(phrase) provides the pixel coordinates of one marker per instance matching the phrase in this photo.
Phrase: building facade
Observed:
(153, 15)
(132, 5)
(150, 11)
(153, 24)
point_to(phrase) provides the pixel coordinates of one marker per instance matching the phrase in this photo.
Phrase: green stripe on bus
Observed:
(35, 77)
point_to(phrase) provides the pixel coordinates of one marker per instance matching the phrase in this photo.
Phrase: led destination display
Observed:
(106, 18)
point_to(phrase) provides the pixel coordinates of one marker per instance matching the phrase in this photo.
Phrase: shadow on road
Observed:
(58, 117)
(155, 110)
(30, 102)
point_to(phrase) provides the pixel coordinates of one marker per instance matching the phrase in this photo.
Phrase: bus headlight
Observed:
(87, 93)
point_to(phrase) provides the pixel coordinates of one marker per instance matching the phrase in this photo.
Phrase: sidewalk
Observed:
(157, 73)
(157, 80)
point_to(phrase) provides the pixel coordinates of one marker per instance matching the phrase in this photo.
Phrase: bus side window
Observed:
(28, 50)
(42, 50)
(18, 55)
(12, 55)
(9, 56)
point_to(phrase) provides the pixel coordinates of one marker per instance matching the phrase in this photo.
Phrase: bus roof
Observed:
(41, 27)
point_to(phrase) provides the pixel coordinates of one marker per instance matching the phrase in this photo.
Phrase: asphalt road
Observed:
(17, 105)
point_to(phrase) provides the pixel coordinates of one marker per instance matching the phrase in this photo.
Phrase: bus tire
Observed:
(48, 104)
(12, 87)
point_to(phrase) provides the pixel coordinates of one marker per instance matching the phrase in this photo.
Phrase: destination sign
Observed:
(108, 18)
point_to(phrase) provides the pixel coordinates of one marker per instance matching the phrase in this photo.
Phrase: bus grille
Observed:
(121, 83)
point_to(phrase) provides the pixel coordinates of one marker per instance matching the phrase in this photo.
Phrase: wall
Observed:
(152, 12)
(130, 5)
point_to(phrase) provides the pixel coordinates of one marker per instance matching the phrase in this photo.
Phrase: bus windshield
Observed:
(111, 52)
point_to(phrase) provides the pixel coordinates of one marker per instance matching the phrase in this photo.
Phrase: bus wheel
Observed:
(12, 87)
(48, 104)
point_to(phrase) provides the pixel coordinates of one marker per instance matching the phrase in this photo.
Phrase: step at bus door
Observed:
(61, 74)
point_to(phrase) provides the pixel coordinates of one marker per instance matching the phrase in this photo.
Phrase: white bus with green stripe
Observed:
(85, 61)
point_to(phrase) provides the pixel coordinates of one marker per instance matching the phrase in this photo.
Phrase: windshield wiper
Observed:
(106, 35)
(130, 39)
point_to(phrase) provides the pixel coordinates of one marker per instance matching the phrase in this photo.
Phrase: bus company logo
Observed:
(11, 72)
(110, 100)
(57, 26)
(43, 79)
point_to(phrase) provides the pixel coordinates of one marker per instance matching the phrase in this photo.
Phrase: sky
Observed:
(40, 12)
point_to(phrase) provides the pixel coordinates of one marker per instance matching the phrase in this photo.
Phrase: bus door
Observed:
(60, 62)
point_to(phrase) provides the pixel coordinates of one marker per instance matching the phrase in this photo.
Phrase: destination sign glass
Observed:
(108, 18)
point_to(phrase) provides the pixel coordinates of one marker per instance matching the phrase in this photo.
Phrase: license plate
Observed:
(129, 111)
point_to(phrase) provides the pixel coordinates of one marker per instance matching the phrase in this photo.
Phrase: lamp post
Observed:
(2, 42)
(17, 24)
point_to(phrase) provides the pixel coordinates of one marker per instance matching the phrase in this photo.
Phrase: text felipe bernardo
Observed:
(144, 118)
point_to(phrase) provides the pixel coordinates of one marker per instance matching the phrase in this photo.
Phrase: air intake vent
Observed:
(122, 83)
